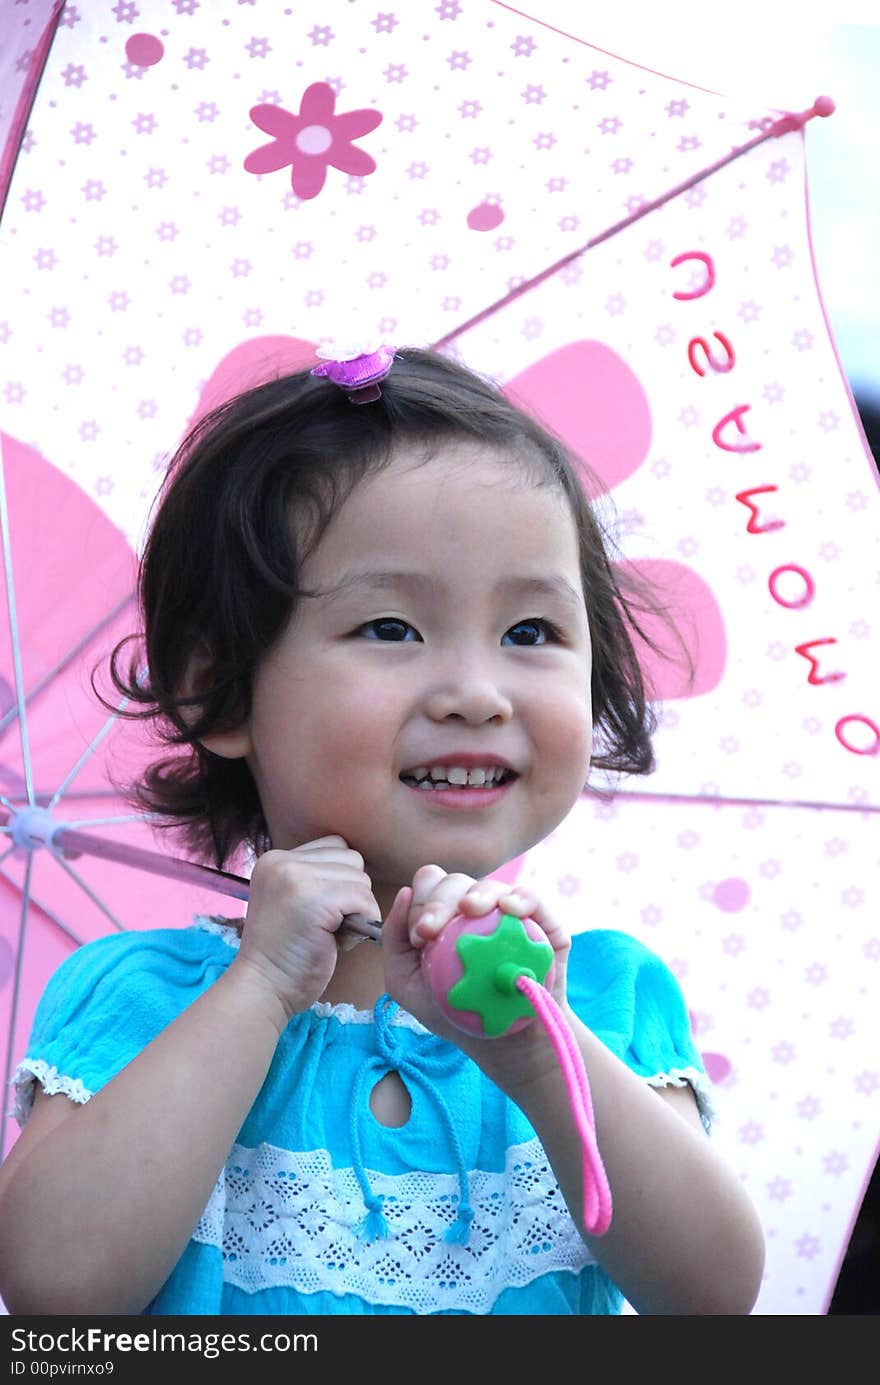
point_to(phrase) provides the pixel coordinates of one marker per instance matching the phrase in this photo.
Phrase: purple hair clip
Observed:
(358, 373)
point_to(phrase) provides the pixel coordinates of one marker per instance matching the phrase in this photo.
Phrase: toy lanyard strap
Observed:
(597, 1193)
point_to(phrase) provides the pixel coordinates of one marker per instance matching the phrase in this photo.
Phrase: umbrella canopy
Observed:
(199, 196)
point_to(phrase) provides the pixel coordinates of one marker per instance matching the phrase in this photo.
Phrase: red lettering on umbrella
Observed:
(753, 527)
(702, 358)
(799, 602)
(709, 281)
(735, 416)
(804, 651)
(873, 748)
(719, 367)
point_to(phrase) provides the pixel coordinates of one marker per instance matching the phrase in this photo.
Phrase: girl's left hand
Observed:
(421, 911)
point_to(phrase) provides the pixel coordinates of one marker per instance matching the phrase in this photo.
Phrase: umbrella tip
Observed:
(796, 120)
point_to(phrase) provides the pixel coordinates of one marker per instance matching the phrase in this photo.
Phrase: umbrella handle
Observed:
(491, 976)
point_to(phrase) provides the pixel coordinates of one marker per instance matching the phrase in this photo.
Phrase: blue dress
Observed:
(320, 1209)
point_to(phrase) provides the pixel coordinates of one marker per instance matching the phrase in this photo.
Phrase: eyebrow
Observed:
(549, 585)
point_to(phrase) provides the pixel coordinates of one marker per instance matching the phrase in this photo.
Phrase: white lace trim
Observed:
(699, 1082)
(347, 1014)
(220, 927)
(290, 1220)
(33, 1070)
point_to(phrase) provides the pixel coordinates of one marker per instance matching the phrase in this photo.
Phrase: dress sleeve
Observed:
(107, 1001)
(630, 999)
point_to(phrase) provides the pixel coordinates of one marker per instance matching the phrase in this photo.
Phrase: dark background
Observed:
(858, 1284)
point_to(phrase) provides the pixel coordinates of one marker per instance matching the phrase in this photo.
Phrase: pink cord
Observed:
(597, 1193)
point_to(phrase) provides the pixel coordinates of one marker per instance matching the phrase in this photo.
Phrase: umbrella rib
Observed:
(35, 64)
(68, 658)
(13, 632)
(88, 793)
(44, 798)
(16, 987)
(89, 751)
(44, 909)
(91, 894)
(112, 822)
(777, 128)
(719, 800)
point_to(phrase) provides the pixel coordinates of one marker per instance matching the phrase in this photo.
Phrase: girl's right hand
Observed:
(297, 902)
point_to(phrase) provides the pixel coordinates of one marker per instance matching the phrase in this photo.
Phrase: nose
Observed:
(469, 696)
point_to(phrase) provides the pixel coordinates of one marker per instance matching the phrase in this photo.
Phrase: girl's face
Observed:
(450, 635)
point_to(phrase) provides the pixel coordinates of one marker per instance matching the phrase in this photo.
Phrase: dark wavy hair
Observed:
(220, 572)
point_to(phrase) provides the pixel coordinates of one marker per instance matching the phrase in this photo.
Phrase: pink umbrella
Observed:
(198, 196)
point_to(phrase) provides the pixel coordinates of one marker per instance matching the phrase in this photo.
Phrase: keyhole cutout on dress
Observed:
(390, 1102)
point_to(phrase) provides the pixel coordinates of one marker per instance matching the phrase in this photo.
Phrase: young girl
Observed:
(381, 624)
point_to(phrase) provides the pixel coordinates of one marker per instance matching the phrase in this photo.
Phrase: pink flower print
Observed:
(312, 140)
(614, 430)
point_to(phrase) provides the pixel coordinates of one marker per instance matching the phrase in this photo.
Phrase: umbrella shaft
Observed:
(71, 839)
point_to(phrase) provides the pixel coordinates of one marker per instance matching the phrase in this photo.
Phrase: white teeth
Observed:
(479, 777)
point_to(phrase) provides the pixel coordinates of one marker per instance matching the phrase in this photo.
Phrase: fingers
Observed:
(435, 900)
(425, 882)
(331, 887)
(558, 935)
(438, 897)
(329, 849)
(395, 931)
(496, 894)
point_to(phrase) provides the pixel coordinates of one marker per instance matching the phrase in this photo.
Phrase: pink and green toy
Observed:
(491, 977)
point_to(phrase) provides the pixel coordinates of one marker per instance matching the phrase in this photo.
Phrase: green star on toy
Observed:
(491, 966)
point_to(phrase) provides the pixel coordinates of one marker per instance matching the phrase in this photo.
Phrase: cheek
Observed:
(569, 738)
(358, 718)
(566, 725)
